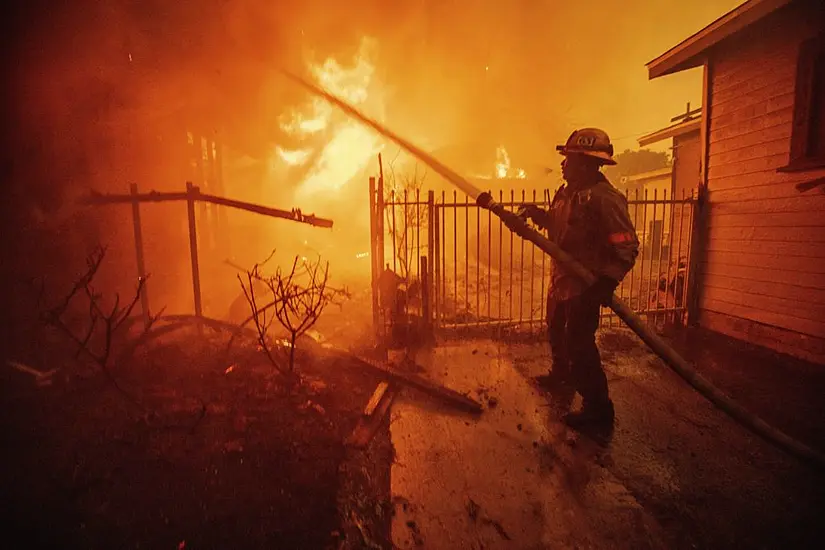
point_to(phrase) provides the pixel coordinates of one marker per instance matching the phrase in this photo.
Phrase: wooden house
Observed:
(760, 239)
(685, 136)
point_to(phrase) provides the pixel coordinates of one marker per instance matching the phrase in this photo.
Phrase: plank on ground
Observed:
(368, 424)
(446, 395)
(375, 398)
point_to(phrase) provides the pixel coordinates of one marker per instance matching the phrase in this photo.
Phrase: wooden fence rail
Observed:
(190, 196)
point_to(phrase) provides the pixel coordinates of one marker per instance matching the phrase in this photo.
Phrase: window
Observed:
(808, 133)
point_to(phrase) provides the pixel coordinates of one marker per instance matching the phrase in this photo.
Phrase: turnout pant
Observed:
(572, 326)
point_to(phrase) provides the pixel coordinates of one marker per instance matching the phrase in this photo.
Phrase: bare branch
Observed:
(259, 314)
(110, 321)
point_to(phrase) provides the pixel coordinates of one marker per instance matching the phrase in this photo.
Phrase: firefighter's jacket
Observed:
(592, 224)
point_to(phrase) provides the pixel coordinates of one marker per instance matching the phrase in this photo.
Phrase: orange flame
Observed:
(350, 146)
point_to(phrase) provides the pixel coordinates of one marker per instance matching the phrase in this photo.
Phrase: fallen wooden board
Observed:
(451, 397)
(369, 424)
(372, 404)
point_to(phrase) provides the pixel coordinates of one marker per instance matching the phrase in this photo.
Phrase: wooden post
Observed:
(430, 254)
(191, 194)
(699, 232)
(375, 267)
(379, 213)
(141, 262)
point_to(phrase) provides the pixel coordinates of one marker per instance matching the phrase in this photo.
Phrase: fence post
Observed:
(698, 235)
(436, 267)
(141, 262)
(430, 252)
(425, 297)
(375, 267)
(192, 193)
(379, 215)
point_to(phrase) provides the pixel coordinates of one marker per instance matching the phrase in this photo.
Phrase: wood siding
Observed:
(763, 268)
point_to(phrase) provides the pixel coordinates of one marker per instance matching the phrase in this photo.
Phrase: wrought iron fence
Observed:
(462, 267)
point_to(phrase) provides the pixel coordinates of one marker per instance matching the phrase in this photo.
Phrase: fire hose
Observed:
(657, 344)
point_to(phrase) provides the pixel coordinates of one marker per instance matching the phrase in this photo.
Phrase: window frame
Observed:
(811, 53)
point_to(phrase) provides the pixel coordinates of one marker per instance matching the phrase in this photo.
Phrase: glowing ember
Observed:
(350, 146)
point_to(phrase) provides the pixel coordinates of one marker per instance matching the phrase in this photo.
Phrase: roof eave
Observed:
(650, 175)
(655, 71)
(672, 131)
(691, 53)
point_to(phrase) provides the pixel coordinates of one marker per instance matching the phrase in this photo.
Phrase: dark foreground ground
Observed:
(220, 454)
(707, 481)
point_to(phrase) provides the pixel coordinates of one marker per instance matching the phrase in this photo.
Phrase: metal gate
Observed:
(442, 263)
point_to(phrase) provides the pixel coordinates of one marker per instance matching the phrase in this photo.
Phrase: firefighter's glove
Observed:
(529, 212)
(603, 289)
(515, 223)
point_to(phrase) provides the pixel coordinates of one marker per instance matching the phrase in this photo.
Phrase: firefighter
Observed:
(588, 218)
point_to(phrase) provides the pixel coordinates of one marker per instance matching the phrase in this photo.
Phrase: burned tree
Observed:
(296, 298)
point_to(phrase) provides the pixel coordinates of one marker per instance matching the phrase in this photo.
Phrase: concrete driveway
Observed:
(512, 477)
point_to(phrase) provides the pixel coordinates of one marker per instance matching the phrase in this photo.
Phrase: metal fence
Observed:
(463, 268)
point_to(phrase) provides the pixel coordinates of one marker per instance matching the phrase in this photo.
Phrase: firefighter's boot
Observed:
(555, 380)
(598, 418)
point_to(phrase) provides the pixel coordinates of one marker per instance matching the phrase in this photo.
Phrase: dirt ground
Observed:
(219, 454)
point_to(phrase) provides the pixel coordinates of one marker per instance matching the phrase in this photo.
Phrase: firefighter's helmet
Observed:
(591, 142)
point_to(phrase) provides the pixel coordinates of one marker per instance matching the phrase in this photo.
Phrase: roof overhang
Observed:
(651, 175)
(675, 130)
(691, 52)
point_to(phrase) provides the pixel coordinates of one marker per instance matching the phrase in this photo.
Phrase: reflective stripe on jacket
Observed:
(593, 225)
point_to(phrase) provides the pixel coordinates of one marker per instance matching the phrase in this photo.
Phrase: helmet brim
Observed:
(601, 155)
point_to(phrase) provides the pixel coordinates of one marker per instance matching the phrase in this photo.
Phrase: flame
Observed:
(348, 146)
(293, 158)
(503, 166)
(502, 162)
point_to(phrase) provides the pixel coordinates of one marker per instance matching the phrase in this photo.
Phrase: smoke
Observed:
(99, 92)
(466, 76)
